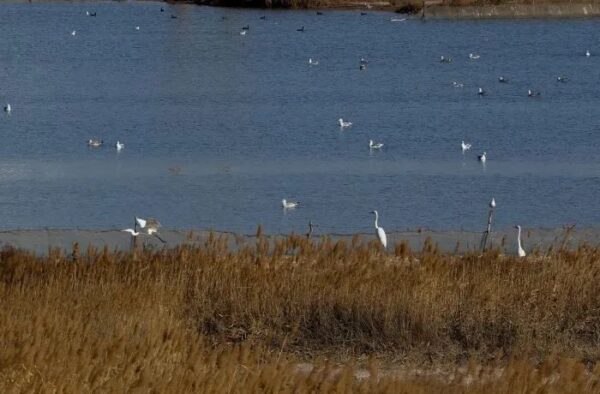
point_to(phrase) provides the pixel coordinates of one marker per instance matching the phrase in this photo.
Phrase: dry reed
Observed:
(295, 315)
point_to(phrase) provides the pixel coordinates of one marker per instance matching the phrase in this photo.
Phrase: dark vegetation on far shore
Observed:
(211, 319)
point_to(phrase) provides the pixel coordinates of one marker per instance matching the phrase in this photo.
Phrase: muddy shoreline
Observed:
(41, 240)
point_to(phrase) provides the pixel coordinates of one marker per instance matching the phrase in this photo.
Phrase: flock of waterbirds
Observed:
(150, 226)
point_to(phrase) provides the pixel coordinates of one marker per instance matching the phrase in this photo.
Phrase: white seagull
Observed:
(520, 249)
(587, 53)
(137, 28)
(344, 124)
(7, 108)
(493, 203)
(119, 145)
(95, 143)
(379, 145)
(465, 147)
(482, 158)
(313, 62)
(73, 32)
(380, 232)
(473, 56)
(533, 93)
(289, 204)
(481, 92)
(502, 80)
(243, 32)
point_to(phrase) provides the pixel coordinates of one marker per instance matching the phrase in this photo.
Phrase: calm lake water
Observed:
(245, 121)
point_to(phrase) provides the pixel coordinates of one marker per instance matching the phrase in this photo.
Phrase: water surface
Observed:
(243, 121)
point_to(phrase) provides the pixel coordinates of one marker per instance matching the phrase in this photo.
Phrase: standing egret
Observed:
(493, 203)
(7, 108)
(481, 92)
(520, 249)
(380, 232)
(119, 145)
(587, 53)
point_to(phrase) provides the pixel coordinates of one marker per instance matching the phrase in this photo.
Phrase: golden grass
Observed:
(298, 316)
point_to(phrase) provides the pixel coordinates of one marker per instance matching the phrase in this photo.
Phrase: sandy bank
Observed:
(39, 241)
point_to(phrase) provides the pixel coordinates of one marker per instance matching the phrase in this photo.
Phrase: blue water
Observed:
(248, 122)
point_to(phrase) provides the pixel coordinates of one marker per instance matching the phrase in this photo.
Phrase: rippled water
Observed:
(243, 121)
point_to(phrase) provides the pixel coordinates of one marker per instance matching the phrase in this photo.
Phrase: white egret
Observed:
(137, 28)
(313, 62)
(481, 92)
(73, 32)
(587, 53)
(119, 145)
(482, 157)
(380, 232)
(473, 56)
(372, 145)
(289, 204)
(344, 124)
(132, 232)
(7, 108)
(533, 93)
(493, 203)
(243, 32)
(465, 147)
(520, 249)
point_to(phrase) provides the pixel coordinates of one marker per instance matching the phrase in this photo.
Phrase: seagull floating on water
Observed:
(313, 62)
(375, 146)
(493, 203)
(465, 147)
(119, 145)
(95, 143)
(243, 32)
(445, 59)
(7, 108)
(532, 93)
(520, 250)
(502, 80)
(587, 53)
(379, 231)
(473, 56)
(481, 92)
(73, 32)
(289, 204)
(482, 157)
(561, 78)
(137, 28)
(344, 124)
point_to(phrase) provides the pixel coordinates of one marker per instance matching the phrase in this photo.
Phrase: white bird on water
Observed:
(7, 108)
(465, 147)
(372, 145)
(482, 157)
(481, 92)
(473, 56)
(520, 249)
(243, 32)
(344, 124)
(313, 62)
(95, 143)
(457, 84)
(119, 145)
(587, 53)
(380, 232)
(289, 204)
(493, 203)
(137, 28)
(73, 32)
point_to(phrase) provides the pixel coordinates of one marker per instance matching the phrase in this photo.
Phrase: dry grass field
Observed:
(299, 316)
